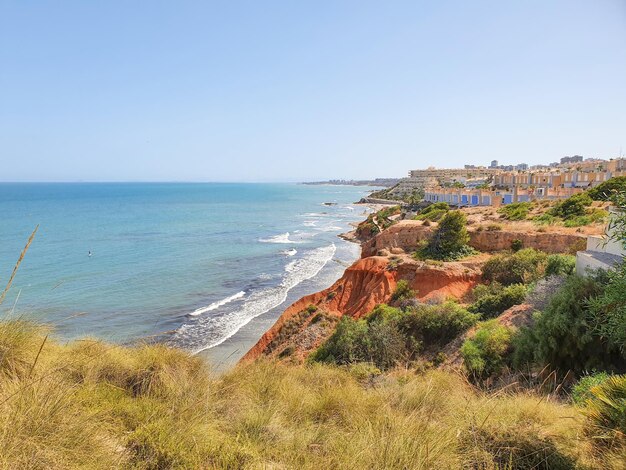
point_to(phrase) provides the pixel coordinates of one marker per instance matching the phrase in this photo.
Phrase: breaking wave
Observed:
(218, 304)
(282, 238)
(207, 331)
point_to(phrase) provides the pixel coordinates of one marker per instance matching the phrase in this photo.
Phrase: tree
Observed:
(604, 191)
(450, 239)
(573, 206)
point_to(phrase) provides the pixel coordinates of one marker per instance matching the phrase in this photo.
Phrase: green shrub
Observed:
(562, 336)
(606, 410)
(402, 292)
(573, 206)
(375, 339)
(494, 227)
(522, 267)
(449, 242)
(581, 390)
(434, 212)
(608, 310)
(577, 221)
(494, 299)
(605, 190)
(545, 219)
(387, 335)
(516, 244)
(347, 344)
(485, 353)
(436, 324)
(384, 313)
(560, 264)
(515, 211)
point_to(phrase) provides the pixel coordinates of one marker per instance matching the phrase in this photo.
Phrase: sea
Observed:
(190, 264)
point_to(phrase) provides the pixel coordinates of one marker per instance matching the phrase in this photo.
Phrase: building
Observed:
(431, 177)
(602, 252)
(495, 197)
(574, 159)
(494, 164)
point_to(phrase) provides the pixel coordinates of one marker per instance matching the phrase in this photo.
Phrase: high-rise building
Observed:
(494, 164)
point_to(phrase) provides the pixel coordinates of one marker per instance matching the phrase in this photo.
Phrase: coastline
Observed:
(227, 354)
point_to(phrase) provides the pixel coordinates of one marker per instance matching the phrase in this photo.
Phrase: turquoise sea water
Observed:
(197, 260)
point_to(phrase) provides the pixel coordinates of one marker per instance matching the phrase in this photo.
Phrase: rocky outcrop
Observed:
(544, 241)
(367, 283)
(408, 234)
(363, 285)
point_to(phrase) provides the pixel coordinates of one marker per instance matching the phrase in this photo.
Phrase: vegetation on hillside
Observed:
(94, 405)
(449, 240)
(564, 336)
(389, 336)
(433, 212)
(604, 191)
(377, 221)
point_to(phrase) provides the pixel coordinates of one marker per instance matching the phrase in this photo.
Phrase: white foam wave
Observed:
(210, 331)
(218, 304)
(291, 252)
(331, 228)
(282, 238)
(309, 223)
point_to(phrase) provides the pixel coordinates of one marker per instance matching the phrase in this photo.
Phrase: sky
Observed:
(304, 90)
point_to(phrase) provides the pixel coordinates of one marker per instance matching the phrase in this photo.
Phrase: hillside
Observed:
(90, 404)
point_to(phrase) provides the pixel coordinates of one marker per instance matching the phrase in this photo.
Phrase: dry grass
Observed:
(89, 404)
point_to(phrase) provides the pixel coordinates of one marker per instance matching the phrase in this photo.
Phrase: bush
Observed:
(485, 353)
(581, 390)
(436, 324)
(494, 299)
(560, 264)
(571, 207)
(402, 292)
(522, 267)
(562, 336)
(606, 410)
(515, 211)
(434, 212)
(605, 190)
(449, 242)
(545, 219)
(375, 339)
(516, 244)
(494, 227)
(387, 335)
(608, 310)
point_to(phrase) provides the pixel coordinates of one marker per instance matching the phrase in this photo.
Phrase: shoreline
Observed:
(227, 354)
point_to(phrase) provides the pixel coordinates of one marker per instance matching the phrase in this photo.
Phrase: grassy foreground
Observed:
(89, 404)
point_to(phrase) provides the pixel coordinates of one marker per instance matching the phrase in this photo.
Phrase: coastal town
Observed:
(495, 185)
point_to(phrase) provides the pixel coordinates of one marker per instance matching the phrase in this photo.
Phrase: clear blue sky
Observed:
(304, 90)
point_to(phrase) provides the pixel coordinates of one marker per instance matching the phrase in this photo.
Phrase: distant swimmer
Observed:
(89, 254)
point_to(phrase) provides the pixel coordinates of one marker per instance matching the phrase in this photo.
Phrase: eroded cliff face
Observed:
(372, 280)
(407, 235)
(368, 282)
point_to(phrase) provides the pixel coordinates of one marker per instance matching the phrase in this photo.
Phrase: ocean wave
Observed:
(291, 252)
(282, 238)
(218, 304)
(315, 214)
(309, 223)
(331, 228)
(210, 331)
